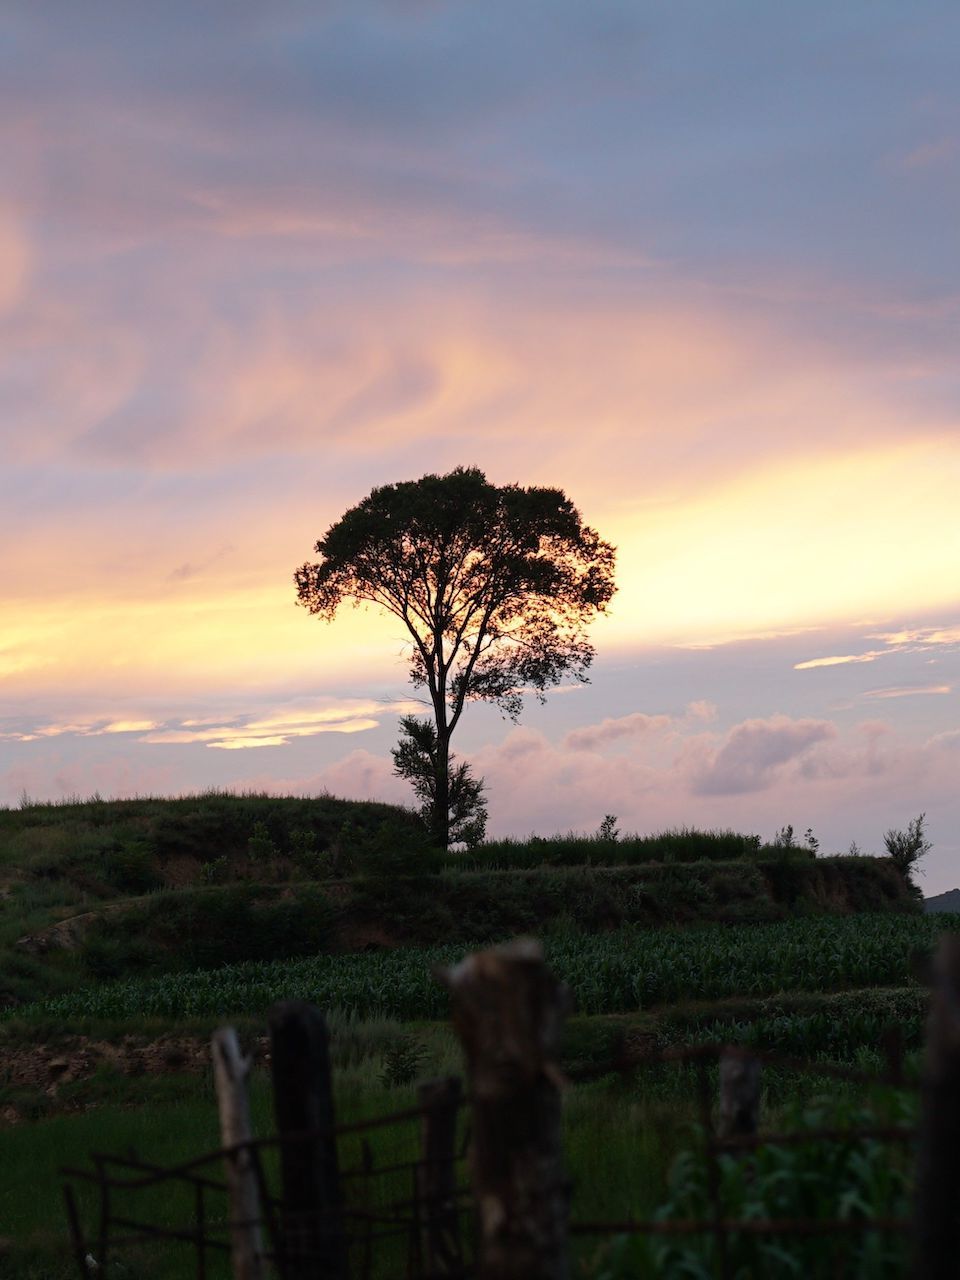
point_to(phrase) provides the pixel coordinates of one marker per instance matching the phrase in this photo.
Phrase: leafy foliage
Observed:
(402, 1062)
(627, 970)
(494, 585)
(417, 759)
(906, 848)
(853, 1178)
(608, 829)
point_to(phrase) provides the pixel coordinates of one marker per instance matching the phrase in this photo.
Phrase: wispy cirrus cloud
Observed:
(908, 691)
(908, 640)
(228, 733)
(80, 727)
(840, 660)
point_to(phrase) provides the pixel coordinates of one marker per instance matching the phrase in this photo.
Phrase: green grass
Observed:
(618, 1149)
(621, 1138)
(103, 848)
(683, 844)
(200, 928)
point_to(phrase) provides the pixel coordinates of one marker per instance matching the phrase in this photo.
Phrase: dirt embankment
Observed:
(48, 1068)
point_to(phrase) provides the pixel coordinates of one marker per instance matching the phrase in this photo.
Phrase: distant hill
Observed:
(949, 901)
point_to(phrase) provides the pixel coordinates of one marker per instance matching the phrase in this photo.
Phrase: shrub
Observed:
(906, 848)
(850, 1179)
(132, 868)
(215, 872)
(402, 1062)
(306, 854)
(392, 851)
(260, 847)
(608, 829)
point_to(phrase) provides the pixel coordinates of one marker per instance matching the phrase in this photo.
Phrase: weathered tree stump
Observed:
(739, 1096)
(937, 1220)
(313, 1234)
(437, 1177)
(508, 1010)
(230, 1071)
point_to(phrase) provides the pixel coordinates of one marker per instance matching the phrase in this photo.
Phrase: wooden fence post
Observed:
(313, 1234)
(437, 1185)
(230, 1071)
(507, 1011)
(739, 1095)
(937, 1209)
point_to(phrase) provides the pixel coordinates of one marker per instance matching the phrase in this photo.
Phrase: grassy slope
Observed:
(97, 890)
(109, 860)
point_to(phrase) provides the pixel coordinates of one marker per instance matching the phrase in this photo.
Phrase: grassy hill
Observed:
(129, 929)
(110, 889)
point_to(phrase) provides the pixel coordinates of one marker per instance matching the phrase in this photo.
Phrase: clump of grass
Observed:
(607, 847)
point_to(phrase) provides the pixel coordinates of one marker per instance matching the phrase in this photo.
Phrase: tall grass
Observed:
(683, 844)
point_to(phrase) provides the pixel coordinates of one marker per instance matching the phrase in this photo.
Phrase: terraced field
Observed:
(629, 969)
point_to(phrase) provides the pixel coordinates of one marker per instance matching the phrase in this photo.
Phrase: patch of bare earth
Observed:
(47, 1068)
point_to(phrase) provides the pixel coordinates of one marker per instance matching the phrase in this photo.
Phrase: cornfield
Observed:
(624, 970)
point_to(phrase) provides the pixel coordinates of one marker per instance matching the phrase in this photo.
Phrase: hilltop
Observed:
(100, 890)
(943, 902)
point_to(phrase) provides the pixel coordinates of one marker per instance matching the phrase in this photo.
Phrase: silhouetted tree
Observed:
(494, 584)
(416, 758)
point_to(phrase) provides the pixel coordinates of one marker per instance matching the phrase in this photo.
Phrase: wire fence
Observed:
(450, 1186)
(397, 1214)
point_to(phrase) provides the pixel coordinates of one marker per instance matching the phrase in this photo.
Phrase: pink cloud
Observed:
(610, 730)
(932, 154)
(360, 775)
(118, 776)
(752, 753)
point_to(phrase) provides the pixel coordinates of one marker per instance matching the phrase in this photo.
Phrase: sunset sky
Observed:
(695, 263)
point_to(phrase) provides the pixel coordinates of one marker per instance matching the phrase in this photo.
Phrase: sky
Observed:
(695, 264)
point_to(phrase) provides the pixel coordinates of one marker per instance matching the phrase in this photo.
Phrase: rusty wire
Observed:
(372, 1222)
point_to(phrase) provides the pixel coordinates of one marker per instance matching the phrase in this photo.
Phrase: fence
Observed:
(313, 1201)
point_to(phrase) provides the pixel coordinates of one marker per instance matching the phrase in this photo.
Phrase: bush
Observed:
(132, 868)
(391, 852)
(191, 930)
(850, 1179)
(906, 848)
(402, 1062)
(260, 847)
(308, 857)
(215, 872)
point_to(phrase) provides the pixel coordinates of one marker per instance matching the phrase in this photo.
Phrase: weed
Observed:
(402, 1062)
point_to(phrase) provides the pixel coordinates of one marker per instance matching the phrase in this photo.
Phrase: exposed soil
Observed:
(47, 1068)
(65, 935)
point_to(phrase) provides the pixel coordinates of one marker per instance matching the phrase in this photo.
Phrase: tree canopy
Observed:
(495, 585)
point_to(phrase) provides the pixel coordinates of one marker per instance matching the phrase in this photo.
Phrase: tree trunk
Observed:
(507, 1012)
(937, 1223)
(441, 800)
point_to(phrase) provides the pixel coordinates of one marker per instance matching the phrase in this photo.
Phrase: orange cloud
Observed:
(347, 715)
(838, 661)
(913, 640)
(908, 691)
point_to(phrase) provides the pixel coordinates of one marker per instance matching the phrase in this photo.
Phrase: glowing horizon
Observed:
(697, 270)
